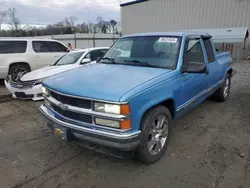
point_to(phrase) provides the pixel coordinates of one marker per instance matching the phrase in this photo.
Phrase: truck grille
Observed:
(22, 85)
(81, 103)
(73, 115)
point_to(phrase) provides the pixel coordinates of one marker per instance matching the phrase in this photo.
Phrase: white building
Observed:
(168, 15)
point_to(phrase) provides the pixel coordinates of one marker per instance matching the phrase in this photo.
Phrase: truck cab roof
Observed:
(178, 34)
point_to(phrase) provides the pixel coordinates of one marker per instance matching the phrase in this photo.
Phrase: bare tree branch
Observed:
(72, 20)
(14, 22)
(2, 17)
(60, 25)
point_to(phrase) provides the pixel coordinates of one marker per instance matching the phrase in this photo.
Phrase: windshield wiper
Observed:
(112, 60)
(141, 63)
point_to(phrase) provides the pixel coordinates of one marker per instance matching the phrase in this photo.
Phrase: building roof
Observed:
(225, 35)
(132, 2)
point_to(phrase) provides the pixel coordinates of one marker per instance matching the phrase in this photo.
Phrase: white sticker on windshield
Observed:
(168, 39)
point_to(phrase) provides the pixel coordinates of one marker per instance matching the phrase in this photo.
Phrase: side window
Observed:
(104, 51)
(95, 54)
(40, 46)
(57, 47)
(193, 52)
(209, 50)
(7, 47)
(48, 46)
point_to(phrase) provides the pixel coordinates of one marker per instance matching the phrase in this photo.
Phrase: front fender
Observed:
(228, 69)
(141, 103)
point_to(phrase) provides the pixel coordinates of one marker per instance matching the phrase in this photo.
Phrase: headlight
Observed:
(38, 82)
(112, 108)
(107, 108)
(45, 91)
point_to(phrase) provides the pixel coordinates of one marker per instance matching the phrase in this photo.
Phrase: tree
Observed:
(28, 29)
(66, 26)
(72, 20)
(2, 17)
(60, 25)
(14, 22)
(99, 23)
(113, 24)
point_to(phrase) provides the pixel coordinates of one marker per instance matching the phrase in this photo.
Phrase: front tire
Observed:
(17, 71)
(156, 128)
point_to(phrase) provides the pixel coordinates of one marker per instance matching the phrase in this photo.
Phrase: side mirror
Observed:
(98, 59)
(196, 67)
(86, 60)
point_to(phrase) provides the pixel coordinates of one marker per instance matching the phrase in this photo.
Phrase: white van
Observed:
(21, 55)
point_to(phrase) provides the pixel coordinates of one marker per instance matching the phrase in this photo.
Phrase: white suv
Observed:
(19, 56)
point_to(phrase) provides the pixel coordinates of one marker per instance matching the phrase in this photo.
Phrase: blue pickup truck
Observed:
(127, 100)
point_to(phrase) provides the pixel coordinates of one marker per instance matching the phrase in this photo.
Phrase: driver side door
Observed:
(192, 85)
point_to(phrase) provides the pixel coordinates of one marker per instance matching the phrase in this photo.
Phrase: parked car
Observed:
(129, 103)
(20, 55)
(29, 86)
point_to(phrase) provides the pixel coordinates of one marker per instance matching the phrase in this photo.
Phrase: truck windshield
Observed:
(151, 51)
(69, 58)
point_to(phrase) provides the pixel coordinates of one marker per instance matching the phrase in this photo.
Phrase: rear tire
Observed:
(223, 92)
(17, 71)
(156, 129)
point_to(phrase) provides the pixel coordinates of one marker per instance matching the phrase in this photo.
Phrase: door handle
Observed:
(206, 71)
(37, 56)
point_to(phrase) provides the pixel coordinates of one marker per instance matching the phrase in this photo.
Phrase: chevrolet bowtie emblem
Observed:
(19, 86)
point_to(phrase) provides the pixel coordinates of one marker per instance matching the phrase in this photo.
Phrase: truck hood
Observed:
(102, 81)
(47, 71)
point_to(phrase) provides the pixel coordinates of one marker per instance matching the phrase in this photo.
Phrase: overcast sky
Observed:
(52, 11)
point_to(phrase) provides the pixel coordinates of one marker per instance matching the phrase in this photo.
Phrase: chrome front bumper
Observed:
(121, 140)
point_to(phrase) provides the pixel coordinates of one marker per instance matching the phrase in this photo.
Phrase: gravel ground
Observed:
(210, 147)
(3, 89)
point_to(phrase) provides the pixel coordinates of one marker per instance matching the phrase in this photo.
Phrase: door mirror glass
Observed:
(196, 67)
(86, 60)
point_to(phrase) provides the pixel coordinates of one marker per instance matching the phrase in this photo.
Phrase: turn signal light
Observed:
(125, 124)
(125, 109)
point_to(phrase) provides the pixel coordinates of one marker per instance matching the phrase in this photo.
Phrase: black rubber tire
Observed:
(142, 153)
(219, 94)
(16, 66)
